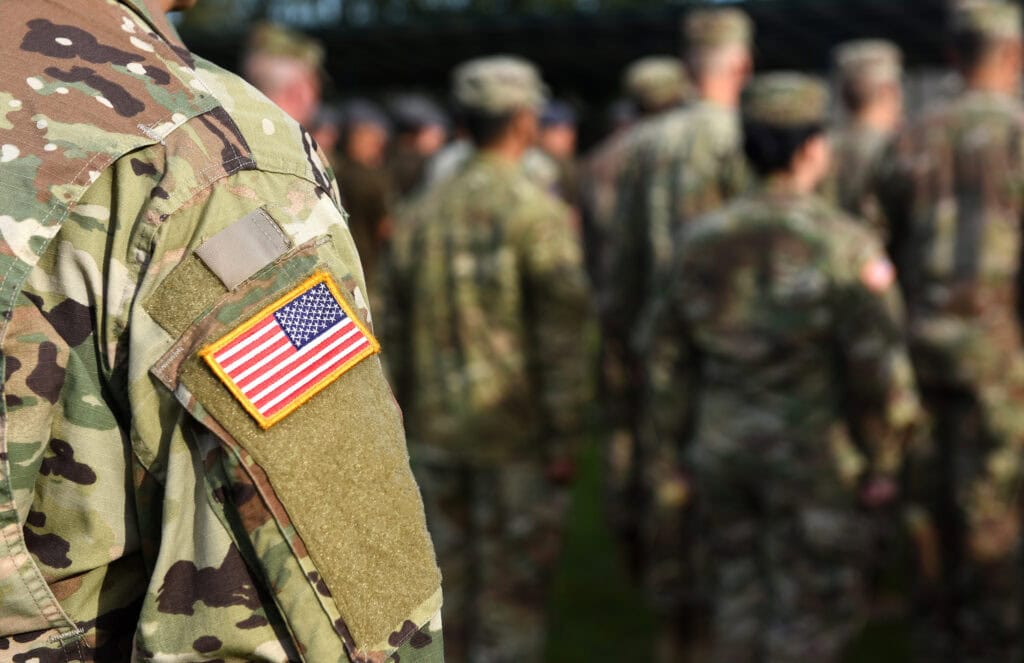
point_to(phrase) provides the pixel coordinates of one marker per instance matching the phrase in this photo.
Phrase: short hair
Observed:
(485, 128)
(770, 148)
(970, 47)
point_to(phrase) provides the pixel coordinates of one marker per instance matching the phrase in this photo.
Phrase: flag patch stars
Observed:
(289, 351)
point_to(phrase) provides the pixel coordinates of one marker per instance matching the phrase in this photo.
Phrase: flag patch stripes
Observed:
(288, 352)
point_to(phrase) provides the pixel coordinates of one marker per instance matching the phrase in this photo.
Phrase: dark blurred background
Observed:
(376, 47)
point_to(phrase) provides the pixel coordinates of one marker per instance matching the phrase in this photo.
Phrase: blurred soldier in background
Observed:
(776, 347)
(654, 85)
(326, 129)
(954, 197)
(682, 164)
(363, 178)
(870, 76)
(285, 65)
(488, 308)
(421, 129)
(558, 140)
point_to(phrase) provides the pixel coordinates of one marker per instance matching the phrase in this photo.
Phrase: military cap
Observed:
(274, 39)
(498, 84)
(785, 99)
(869, 62)
(656, 81)
(711, 28)
(363, 111)
(412, 112)
(991, 20)
(557, 113)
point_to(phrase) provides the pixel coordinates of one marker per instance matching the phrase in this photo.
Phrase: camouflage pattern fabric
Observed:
(857, 153)
(487, 312)
(135, 524)
(680, 165)
(952, 191)
(778, 382)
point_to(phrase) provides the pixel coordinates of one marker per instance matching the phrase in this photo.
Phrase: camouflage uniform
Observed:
(489, 311)
(779, 378)
(857, 148)
(655, 85)
(955, 199)
(144, 514)
(682, 164)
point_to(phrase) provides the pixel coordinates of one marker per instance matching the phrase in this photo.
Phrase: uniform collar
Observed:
(151, 12)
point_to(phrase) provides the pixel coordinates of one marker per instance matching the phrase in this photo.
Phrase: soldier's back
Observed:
(465, 250)
(857, 153)
(758, 284)
(959, 184)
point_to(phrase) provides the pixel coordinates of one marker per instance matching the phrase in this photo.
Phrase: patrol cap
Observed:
(989, 20)
(558, 113)
(273, 39)
(706, 29)
(363, 111)
(869, 62)
(412, 112)
(656, 81)
(498, 84)
(785, 99)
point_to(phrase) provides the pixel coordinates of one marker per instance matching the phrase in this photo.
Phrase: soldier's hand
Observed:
(673, 491)
(878, 492)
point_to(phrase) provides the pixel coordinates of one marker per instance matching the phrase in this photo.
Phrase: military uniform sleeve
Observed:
(558, 307)
(669, 375)
(882, 402)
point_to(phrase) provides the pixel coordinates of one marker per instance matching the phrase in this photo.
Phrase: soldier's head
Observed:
(285, 65)
(420, 124)
(558, 130)
(656, 83)
(365, 132)
(870, 74)
(986, 36)
(718, 45)
(499, 99)
(784, 116)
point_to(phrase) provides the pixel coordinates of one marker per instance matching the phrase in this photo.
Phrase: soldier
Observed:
(954, 197)
(655, 85)
(778, 373)
(365, 185)
(421, 129)
(557, 139)
(870, 76)
(285, 65)
(201, 458)
(685, 163)
(490, 306)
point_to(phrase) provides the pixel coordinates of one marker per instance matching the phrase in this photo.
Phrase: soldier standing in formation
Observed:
(654, 85)
(172, 249)
(488, 307)
(870, 76)
(954, 194)
(775, 349)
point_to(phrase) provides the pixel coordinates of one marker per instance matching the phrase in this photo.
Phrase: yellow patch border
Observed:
(319, 276)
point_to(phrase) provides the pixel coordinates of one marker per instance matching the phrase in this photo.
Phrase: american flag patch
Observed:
(291, 350)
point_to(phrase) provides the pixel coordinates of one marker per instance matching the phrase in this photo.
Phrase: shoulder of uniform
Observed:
(276, 141)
